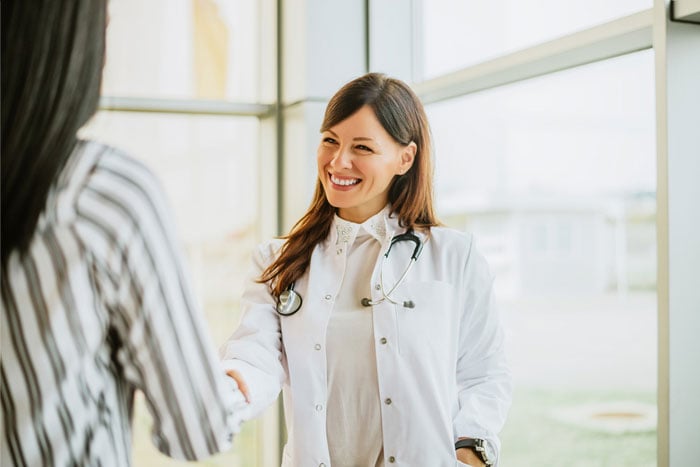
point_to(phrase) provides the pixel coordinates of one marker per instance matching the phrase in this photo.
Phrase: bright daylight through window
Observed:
(556, 178)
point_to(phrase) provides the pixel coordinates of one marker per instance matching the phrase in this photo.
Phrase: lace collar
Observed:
(377, 226)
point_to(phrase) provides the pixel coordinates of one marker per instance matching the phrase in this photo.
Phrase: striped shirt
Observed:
(99, 307)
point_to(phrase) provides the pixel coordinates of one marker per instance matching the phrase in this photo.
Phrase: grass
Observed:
(532, 437)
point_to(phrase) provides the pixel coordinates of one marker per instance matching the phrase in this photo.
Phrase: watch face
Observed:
(479, 446)
(483, 450)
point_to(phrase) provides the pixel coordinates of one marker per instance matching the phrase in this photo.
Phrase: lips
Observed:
(343, 181)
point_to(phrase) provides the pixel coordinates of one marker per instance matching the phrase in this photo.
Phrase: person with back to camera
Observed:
(377, 322)
(95, 300)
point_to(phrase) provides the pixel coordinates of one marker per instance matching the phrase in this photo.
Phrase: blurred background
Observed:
(544, 124)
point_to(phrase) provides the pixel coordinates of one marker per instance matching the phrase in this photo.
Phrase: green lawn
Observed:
(532, 437)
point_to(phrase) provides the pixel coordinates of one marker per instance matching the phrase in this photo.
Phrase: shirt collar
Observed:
(381, 226)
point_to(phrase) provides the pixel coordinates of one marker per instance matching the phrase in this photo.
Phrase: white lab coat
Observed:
(441, 367)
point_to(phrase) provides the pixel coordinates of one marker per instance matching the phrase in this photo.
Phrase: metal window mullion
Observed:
(184, 106)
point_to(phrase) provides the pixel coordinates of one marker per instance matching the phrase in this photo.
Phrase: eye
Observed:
(329, 140)
(363, 148)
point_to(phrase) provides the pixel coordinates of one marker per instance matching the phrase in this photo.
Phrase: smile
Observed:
(344, 181)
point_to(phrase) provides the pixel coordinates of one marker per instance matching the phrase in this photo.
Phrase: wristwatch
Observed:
(479, 446)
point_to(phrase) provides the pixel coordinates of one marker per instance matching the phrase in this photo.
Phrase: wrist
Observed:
(477, 449)
(469, 457)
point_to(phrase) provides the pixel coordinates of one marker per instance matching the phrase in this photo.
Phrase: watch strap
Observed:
(476, 445)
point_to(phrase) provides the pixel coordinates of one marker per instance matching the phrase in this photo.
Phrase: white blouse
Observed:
(353, 423)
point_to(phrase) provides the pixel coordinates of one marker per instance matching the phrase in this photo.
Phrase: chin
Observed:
(338, 201)
(339, 204)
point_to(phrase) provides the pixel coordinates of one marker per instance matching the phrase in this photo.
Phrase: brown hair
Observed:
(401, 113)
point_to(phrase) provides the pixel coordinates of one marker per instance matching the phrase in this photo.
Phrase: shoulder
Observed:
(458, 249)
(99, 168)
(91, 158)
(267, 251)
(118, 167)
(450, 238)
(120, 183)
(115, 194)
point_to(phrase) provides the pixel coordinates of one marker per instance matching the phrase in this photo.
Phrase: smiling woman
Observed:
(357, 159)
(355, 371)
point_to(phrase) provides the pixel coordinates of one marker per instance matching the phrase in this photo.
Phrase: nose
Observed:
(342, 159)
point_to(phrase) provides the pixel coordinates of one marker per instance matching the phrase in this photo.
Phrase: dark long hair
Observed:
(52, 57)
(401, 114)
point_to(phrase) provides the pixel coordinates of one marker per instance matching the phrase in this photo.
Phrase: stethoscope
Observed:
(289, 301)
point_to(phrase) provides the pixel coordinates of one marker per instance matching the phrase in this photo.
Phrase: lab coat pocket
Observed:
(430, 325)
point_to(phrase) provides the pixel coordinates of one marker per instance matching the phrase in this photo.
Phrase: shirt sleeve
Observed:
(483, 378)
(255, 348)
(164, 347)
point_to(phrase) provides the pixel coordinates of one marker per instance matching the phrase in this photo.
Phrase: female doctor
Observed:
(378, 324)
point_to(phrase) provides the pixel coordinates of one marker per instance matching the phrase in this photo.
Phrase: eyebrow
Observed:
(359, 138)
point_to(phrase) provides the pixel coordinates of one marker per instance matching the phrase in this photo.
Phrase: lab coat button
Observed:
(387, 401)
(317, 346)
(377, 287)
(319, 407)
(383, 340)
(328, 297)
(392, 459)
(339, 251)
(321, 465)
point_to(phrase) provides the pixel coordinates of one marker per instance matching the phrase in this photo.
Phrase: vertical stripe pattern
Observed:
(98, 308)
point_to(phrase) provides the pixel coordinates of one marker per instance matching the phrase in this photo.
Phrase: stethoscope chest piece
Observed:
(288, 302)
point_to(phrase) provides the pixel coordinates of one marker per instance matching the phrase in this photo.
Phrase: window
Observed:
(555, 176)
(210, 175)
(473, 31)
(184, 49)
(178, 53)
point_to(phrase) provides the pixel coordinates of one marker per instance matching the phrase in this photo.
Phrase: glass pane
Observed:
(460, 33)
(556, 178)
(209, 170)
(205, 49)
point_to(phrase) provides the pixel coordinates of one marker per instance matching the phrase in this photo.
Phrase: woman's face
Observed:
(357, 160)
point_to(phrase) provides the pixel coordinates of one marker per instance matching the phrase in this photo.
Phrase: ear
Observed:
(408, 155)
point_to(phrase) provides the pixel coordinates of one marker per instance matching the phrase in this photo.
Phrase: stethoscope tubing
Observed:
(289, 301)
(387, 295)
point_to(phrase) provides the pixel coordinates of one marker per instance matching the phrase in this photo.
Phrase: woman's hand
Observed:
(241, 384)
(467, 456)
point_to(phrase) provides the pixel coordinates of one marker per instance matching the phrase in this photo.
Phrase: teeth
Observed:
(345, 181)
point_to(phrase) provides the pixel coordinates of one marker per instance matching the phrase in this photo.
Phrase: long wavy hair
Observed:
(52, 57)
(401, 113)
